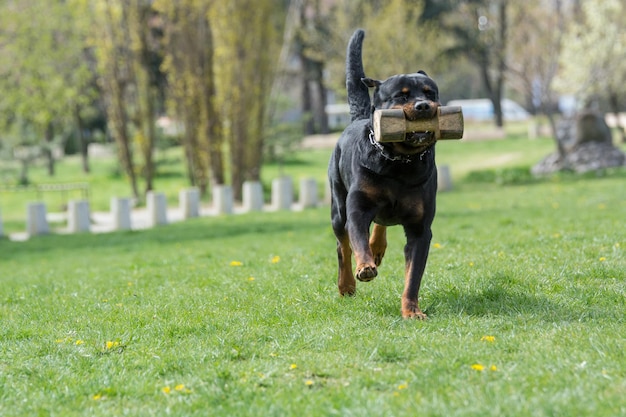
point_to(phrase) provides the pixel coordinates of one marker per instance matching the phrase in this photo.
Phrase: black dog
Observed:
(385, 183)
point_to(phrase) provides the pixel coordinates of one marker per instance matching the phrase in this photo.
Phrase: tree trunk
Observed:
(307, 99)
(24, 171)
(501, 63)
(321, 115)
(237, 156)
(145, 79)
(115, 72)
(118, 124)
(495, 86)
(214, 132)
(82, 141)
(48, 151)
(614, 102)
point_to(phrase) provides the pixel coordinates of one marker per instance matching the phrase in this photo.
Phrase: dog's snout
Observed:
(422, 107)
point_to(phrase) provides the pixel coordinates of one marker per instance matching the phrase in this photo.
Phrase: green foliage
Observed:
(502, 176)
(599, 37)
(44, 76)
(240, 315)
(283, 137)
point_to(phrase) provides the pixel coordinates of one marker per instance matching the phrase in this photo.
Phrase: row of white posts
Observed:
(121, 216)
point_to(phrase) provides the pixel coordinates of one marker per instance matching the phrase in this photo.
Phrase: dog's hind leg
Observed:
(378, 243)
(345, 280)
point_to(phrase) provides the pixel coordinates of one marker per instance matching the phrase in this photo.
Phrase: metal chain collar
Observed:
(401, 158)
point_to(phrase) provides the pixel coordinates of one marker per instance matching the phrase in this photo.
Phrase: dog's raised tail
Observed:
(358, 94)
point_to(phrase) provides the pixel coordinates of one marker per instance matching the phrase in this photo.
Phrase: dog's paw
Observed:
(366, 272)
(412, 311)
(348, 290)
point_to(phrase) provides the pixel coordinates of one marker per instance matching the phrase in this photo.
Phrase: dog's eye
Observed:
(401, 96)
(430, 94)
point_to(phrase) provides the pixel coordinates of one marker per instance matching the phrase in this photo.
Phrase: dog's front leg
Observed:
(415, 254)
(345, 282)
(361, 213)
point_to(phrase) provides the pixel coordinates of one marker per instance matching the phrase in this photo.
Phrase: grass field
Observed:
(240, 316)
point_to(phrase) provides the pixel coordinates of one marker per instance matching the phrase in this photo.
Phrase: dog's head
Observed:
(417, 95)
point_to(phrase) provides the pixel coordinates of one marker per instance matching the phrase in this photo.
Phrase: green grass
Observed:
(104, 325)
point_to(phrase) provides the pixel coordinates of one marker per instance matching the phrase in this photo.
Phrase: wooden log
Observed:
(391, 125)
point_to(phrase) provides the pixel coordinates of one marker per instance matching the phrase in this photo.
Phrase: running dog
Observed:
(383, 183)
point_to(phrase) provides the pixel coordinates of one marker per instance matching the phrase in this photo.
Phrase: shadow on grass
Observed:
(496, 299)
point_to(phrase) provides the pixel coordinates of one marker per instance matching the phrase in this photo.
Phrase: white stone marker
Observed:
(328, 195)
(189, 202)
(120, 213)
(78, 216)
(252, 196)
(36, 222)
(223, 199)
(157, 208)
(282, 193)
(444, 180)
(308, 193)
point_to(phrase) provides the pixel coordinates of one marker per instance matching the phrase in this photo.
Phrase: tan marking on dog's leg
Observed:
(345, 282)
(378, 243)
(410, 307)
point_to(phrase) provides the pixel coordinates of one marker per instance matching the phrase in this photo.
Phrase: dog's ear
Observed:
(371, 82)
(422, 72)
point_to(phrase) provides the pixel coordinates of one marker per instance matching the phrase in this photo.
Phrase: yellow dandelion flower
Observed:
(602, 259)
(293, 366)
(437, 246)
(276, 259)
(471, 264)
(166, 390)
(403, 386)
(236, 263)
(308, 382)
(112, 344)
(97, 397)
(79, 342)
(180, 387)
(493, 368)
(251, 279)
(488, 339)
(478, 367)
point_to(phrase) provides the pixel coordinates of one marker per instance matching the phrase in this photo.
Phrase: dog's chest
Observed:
(400, 209)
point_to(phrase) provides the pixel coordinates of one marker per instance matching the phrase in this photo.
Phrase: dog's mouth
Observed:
(419, 139)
